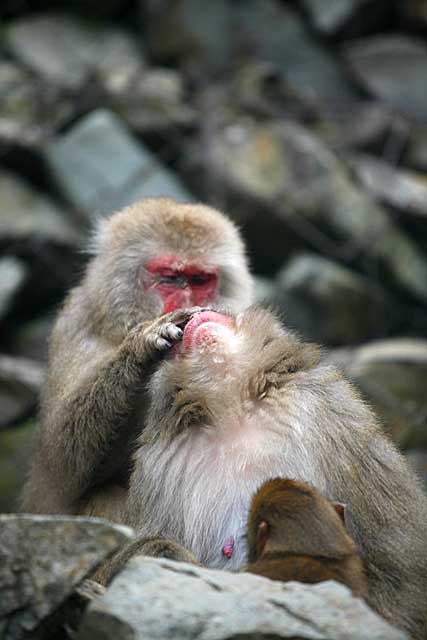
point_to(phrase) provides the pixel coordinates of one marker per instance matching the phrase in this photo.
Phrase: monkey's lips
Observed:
(206, 327)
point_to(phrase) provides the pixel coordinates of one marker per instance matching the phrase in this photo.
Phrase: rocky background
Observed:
(306, 121)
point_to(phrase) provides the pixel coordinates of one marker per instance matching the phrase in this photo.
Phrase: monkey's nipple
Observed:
(206, 327)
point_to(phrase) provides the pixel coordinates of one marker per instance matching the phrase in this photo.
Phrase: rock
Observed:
(363, 125)
(415, 155)
(329, 17)
(269, 31)
(29, 111)
(287, 169)
(20, 383)
(392, 374)
(65, 50)
(43, 559)
(392, 68)
(28, 215)
(404, 190)
(197, 34)
(265, 291)
(13, 274)
(331, 304)
(160, 599)
(418, 461)
(148, 99)
(30, 339)
(101, 168)
(15, 447)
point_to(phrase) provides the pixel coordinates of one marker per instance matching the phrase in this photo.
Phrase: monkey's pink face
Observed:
(181, 284)
(207, 328)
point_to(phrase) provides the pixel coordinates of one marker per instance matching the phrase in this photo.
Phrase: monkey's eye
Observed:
(173, 279)
(199, 279)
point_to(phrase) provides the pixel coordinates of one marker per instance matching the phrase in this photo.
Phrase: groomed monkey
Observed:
(152, 262)
(243, 400)
(294, 533)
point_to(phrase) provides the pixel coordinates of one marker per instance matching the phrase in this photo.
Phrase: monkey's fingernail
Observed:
(179, 333)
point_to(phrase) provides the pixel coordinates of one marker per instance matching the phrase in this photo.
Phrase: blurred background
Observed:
(305, 120)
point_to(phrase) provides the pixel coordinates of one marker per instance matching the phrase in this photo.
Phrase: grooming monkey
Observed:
(243, 400)
(153, 265)
(294, 533)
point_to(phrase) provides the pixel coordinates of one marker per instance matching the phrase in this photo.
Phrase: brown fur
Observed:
(106, 342)
(305, 539)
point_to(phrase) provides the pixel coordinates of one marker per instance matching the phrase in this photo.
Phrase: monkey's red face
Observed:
(181, 284)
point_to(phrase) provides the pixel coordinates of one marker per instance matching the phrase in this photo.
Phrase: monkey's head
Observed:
(157, 256)
(290, 516)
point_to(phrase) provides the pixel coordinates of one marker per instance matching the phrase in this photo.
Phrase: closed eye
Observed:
(200, 278)
(173, 279)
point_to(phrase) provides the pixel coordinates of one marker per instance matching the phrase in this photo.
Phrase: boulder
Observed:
(44, 558)
(101, 168)
(161, 600)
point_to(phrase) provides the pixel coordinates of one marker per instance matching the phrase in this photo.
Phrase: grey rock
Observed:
(265, 291)
(25, 213)
(13, 274)
(404, 190)
(15, 451)
(331, 304)
(148, 99)
(330, 16)
(269, 31)
(415, 155)
(287, 168)
(43, 559)
(160, 599)
(20, 383)
(30, 339)
(101, 168)
(198, 34)
(392, 68)
(65, 50)
(29, 111)
(391, 374)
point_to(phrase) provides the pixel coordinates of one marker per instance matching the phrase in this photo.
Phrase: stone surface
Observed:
(65, 50)
(198, 34)
(392, 68)
(102, 168)
(160, 599)
(416, 151)
(327, 303)
(289, 169)
(13, 274)
(404, 190)
(271, 31)
(148, 99)
(15, 448)
(27, 214)
(392, 374)
(329, 16)
(43, 559)
(20, 383)
(29, 111)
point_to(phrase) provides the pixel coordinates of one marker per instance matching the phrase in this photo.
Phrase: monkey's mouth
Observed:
(206, 327)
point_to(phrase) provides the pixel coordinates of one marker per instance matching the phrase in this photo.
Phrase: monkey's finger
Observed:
(171, 332)
(183, 316)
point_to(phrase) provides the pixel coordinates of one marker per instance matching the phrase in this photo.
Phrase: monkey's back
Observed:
(312, 569)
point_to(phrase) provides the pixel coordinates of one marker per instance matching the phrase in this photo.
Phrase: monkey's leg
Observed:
(154, 547)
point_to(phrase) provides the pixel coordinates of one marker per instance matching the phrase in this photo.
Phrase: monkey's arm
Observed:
(87, 433)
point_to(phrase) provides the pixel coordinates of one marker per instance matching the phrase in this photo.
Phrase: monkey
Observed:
(243, 400)
(152, 265)
(294, 533)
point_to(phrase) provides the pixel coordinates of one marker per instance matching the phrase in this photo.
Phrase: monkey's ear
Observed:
(261, 537)
(340, 508)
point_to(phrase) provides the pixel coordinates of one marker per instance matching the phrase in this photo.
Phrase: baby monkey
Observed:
(294, 533)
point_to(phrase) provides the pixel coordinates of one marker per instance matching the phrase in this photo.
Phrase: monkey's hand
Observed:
(155, 337)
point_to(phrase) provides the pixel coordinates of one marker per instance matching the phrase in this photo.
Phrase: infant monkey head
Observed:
(294, 533)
